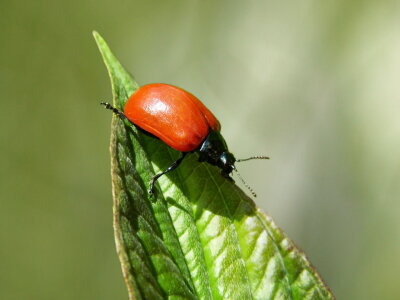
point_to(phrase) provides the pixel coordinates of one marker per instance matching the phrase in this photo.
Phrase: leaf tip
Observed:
(103, 48)
(97, 37)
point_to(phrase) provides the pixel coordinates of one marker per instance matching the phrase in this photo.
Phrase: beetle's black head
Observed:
(226, 163)
(215, 151)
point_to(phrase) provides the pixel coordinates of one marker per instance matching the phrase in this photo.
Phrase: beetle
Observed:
(183, 122)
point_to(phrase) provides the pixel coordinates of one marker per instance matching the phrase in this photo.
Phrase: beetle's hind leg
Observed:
(116, 111)
(172, 167)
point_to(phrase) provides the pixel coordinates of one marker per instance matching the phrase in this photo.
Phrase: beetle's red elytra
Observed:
(172, 114)
(183, 122)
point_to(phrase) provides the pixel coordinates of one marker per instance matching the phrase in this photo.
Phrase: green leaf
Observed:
(201, 237)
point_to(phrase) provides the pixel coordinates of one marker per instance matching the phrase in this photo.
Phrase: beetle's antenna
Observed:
(252, 157)
(245, 183)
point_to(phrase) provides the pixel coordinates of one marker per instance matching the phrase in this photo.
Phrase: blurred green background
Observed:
(313, 84)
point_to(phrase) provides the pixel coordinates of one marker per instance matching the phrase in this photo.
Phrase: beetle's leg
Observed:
(116, 111)
(227, 176)
(172, 167)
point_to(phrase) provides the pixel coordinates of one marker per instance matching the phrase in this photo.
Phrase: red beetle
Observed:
(183, 122)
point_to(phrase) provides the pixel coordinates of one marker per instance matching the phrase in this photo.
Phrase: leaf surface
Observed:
(201, 237)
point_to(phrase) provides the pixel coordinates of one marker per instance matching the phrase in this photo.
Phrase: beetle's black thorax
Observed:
(215, 151)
